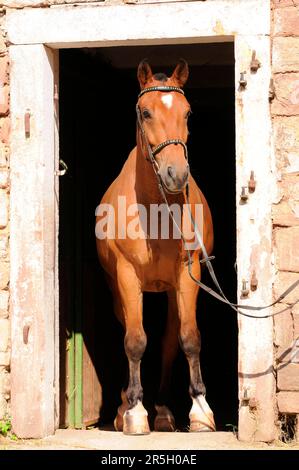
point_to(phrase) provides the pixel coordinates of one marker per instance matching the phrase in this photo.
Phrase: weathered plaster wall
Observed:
(4, 220)
(285, 116)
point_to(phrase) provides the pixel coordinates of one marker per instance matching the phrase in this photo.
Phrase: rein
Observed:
(206, 258)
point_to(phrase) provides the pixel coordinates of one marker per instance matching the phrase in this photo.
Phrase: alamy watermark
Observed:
(136, 221)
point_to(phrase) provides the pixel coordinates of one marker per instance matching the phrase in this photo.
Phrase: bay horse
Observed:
(158, 165)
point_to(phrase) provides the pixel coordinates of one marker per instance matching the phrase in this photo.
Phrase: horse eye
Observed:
(146, 114)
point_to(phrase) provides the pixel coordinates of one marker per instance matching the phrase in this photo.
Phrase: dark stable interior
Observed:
(98, 93)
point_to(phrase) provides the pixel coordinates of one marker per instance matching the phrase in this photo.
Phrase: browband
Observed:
(161, 88)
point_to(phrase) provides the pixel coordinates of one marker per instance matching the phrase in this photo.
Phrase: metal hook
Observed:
(64, 170)
(271, 90)
(251, 183)
(245, 290)
(243, 81)
(244, 194)
(27, 117)
(255, 63)
(253, 281)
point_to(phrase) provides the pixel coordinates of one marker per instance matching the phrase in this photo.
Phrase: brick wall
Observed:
(285, 115)
(4, 219)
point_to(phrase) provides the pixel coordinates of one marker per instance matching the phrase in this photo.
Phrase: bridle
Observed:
(152, 152)
(206, 258)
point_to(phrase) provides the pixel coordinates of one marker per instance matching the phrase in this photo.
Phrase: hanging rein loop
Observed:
(206, 258)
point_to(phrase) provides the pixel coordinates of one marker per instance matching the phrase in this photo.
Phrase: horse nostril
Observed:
(171, 172)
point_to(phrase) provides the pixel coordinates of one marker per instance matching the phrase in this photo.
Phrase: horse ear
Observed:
(181, 73)
(144, 73)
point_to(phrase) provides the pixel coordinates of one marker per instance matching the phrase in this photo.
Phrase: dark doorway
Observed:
(98, 92)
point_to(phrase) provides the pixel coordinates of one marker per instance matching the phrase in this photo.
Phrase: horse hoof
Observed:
(135, 421)
(119, 419)
(196, 426)
(118, 422)
(201, 416)
(164, 421)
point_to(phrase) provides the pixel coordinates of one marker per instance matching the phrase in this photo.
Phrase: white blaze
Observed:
(167, 100)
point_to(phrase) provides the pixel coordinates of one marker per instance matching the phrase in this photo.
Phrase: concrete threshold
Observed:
(96, 439)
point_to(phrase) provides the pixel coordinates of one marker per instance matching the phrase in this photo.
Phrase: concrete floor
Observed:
(95, 439)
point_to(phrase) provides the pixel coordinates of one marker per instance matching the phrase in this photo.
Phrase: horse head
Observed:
(164, 114)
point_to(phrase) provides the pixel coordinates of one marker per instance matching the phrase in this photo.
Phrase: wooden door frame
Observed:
(33, 242)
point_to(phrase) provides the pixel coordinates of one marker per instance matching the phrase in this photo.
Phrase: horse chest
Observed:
(159, 273)
(156, 263)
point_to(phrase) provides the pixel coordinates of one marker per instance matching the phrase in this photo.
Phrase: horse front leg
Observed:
(201, 416)
(164, 420)
(135, 416)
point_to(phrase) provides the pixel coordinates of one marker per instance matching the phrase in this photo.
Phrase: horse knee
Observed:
(190, 342)
(135, 344)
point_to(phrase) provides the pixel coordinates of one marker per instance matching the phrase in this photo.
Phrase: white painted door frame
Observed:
(33, 243)
(35, 35)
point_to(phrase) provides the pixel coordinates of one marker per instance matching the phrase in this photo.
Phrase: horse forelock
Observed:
(160, 77)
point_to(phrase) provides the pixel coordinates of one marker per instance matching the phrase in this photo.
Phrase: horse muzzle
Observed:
(174, 180)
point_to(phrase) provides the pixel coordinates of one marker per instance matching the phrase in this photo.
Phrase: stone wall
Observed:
(4, 220)
(285, 115)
